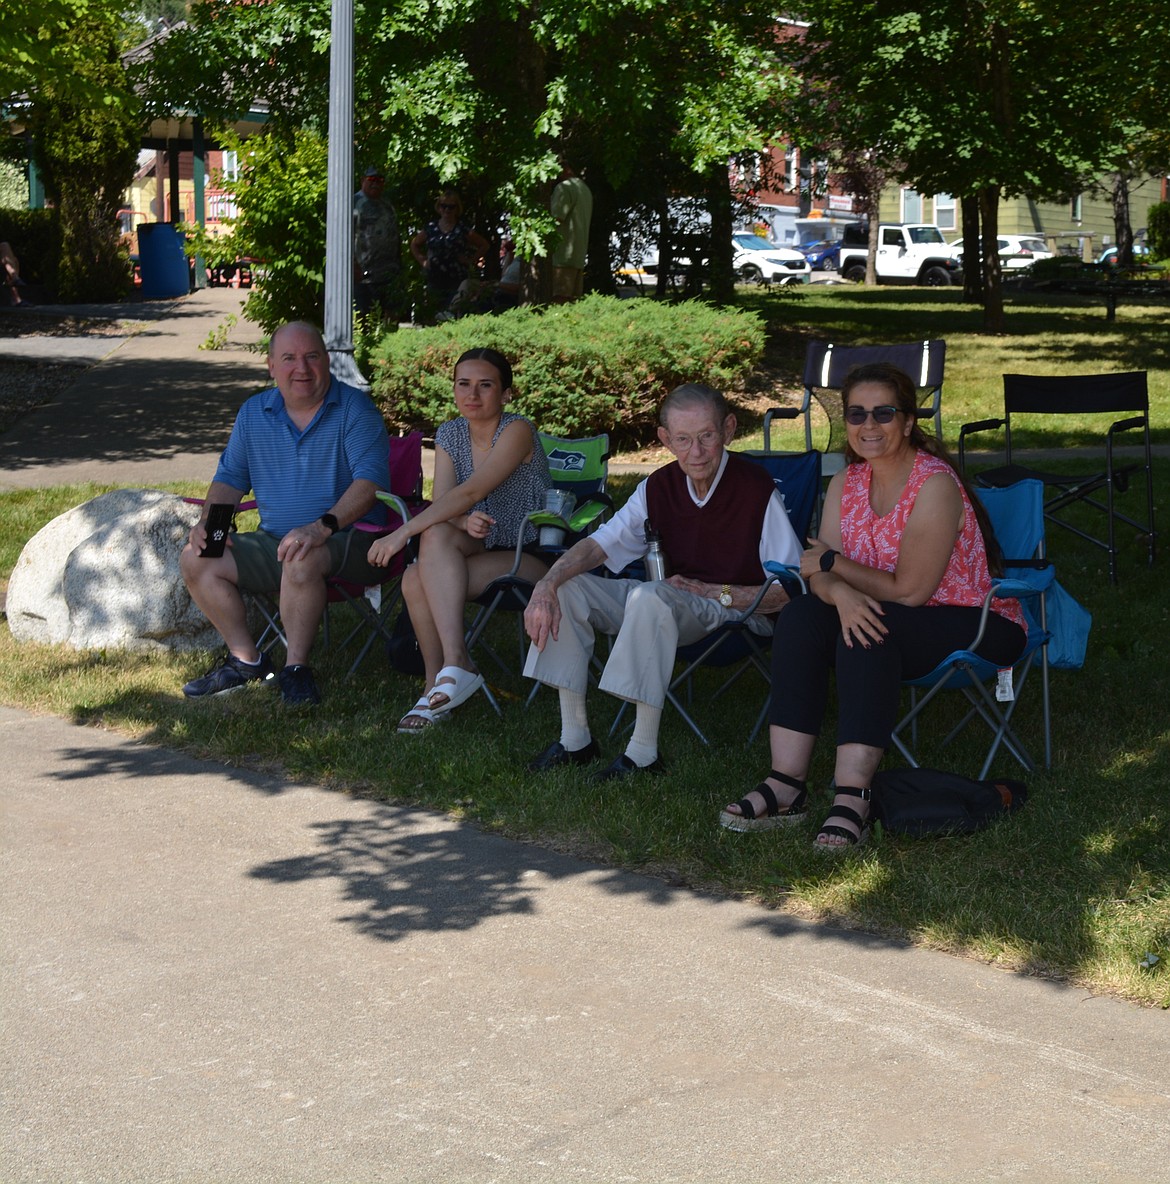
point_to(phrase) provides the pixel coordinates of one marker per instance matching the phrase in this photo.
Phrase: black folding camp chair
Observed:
(825, 368)
(1082, 403)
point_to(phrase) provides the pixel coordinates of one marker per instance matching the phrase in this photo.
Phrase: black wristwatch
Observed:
(827, 558)
(330, 520)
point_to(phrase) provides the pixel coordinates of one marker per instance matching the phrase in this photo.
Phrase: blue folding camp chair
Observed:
(1017, 516)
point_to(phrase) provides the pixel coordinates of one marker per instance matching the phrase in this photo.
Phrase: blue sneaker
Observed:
(230, 675)
(298, 688)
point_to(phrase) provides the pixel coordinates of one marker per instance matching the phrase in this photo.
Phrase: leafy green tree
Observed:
(484, 94)
(1159, 230)
(87, 150)
(979, 98)
(41, 48)
(13, 187)
(280, 195)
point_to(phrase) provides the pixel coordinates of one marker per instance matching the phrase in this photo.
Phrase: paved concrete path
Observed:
(212, 975)
(157, 408)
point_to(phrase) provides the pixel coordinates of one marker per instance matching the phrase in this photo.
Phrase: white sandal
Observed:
(420, 711)
(454, 686)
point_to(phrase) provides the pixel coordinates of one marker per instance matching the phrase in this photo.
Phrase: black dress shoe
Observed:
(622, 766)
(557, 756)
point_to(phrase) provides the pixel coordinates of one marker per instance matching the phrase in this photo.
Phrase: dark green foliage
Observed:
(600, 365)
(1158, 230)
(35, 236)
(87, 150)
(280, 195)
(1065, 267)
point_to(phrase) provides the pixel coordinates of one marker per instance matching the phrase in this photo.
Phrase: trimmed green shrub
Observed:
(599, 365)
(1060, 267)
(1158, 230)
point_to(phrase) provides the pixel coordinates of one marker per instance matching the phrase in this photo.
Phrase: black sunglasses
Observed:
(447, 205)
(858, 415)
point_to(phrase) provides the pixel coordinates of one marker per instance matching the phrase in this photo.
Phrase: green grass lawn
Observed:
(1043, 337)
(1076, 886)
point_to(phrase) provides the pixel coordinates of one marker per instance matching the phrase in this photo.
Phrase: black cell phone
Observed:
(219, 522)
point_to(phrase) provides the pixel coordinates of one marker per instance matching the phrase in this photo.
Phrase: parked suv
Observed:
(1014, 250)
(756, 261)
(907, 253)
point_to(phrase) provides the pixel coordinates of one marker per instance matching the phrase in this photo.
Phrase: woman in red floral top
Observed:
(896, 579)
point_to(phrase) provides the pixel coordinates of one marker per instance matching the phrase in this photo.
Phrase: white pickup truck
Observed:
(907, 253)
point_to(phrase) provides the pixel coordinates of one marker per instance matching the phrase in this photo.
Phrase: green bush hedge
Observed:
(599, 365)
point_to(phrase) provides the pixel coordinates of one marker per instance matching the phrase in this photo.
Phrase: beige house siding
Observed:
(1052, 220)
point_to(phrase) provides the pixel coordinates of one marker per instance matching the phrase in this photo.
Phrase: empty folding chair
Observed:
(1071, 398)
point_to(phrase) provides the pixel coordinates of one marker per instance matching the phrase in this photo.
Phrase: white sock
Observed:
(575, 733)
(643, 746)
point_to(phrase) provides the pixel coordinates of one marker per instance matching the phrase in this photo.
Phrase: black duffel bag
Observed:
(921, 802)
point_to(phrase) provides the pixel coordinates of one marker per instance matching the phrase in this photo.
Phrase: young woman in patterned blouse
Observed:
(490, 473)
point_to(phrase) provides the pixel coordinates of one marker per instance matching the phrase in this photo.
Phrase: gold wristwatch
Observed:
(725, 596)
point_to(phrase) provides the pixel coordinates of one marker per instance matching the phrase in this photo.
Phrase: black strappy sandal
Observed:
(849, 815)
(777, 815)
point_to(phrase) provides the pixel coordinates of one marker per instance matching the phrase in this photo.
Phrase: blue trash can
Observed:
(161, 260)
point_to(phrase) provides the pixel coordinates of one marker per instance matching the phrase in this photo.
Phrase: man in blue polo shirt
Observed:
(313, 451)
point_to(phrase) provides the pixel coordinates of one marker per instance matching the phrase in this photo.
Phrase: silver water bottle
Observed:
(655, 559)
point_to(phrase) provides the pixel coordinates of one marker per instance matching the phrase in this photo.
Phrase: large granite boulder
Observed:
(105, 575)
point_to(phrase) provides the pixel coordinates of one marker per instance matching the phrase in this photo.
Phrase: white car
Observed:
(1015, 250)
(757, 261)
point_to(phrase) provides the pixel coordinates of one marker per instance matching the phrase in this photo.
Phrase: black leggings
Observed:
(808, 643)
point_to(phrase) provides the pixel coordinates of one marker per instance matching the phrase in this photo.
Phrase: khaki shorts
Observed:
(568, 283)
(259, 570)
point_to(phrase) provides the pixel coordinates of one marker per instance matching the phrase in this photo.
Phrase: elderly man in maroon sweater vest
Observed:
(718, 517)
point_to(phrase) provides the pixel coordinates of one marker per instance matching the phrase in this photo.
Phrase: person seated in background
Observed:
(490, 473)
(897, 578)
(12, 280)
(483, 296)
(719, 518)
(314, 451)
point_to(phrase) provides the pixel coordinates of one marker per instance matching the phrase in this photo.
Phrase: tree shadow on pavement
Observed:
(134, 409)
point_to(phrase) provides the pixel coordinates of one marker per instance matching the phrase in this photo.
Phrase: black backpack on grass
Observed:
(921, 802)
(402, 647)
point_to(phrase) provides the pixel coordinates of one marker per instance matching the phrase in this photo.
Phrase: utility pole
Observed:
(339, 202)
